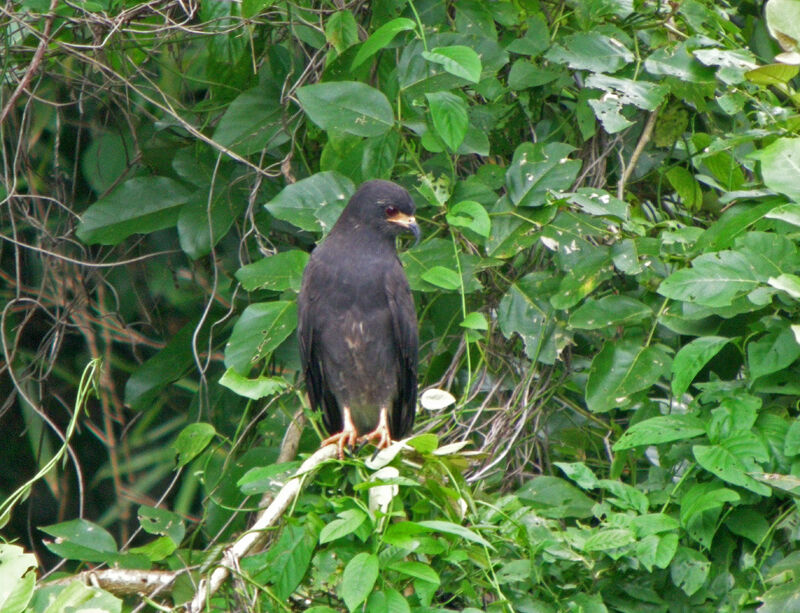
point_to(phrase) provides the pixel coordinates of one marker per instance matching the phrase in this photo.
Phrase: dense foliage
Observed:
(608, 284)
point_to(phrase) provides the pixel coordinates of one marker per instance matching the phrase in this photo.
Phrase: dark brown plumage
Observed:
(357, 324)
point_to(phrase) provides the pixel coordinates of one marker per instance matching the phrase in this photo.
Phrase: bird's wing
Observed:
(310, 304)
(404, 324)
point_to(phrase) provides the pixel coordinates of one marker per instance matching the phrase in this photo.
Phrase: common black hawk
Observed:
(357, 323)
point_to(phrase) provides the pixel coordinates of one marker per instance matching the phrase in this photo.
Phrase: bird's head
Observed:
(383, 206)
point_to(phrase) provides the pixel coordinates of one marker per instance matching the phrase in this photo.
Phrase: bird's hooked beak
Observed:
(408, 222)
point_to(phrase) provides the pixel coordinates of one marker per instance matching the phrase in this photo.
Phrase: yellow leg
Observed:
(348, 436)
(381, 433)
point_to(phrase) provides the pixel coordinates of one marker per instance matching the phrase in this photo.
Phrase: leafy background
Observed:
(608, 285)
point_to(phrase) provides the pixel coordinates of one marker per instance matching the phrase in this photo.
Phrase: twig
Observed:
(644, 138)
(257, 535)
(34, 65)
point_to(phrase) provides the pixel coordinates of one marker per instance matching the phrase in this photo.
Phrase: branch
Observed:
(257, 535)
(644, 138)
(34, 65)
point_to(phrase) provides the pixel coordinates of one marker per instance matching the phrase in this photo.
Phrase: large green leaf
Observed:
(349, 106)
(288, 559)
(772, 352)
(608, 311)
(715, 279)
(660, 429)
(277, 272)
(313, 203)
(449, 114)
(621, 369)
(258, 332)
(252, 121)
(780, 166)
(138, 206)
(591, 51)
(556, 498)
(641, 94)
(380, 38)
(525, 310)
(458, 60)
(731, 461)
(202, 224)
(538, 169)
(17, 580)
(358, 579)
(690, 360)
(80, 539)
(166, 366)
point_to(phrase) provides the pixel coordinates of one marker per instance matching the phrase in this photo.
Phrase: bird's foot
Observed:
(348, 436)
(380, 434)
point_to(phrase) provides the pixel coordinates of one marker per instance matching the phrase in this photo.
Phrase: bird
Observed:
(357, 324)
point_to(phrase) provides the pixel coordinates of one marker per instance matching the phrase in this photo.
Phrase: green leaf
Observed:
(161, 522)
(535, 40)
(442, 277)
(525, 310)
(348, 522)
(772, 74)
(608, 111)
(251, 8)
(255, 389)
(192, 440)
(610, 538)
(313, 203)
(139, 206)
(660, 429)
(689, 570)
(450, 120)
(380, 38)
(772, 352)
(424, 443)
(591, 51)
(780, 166)
(358, 579)
(80, 539)
(253, 121)
(609, 311)
(691, 359)
(417, 570)
(168, 365)
(786, 282)
(641, 94)
(749, 523)
(704, 497)
(341, 30)
(17, 578)
(458, 60)
(258, 332)
(349, 106)
(714, 280)
(555, 498)
(277, 272)
(538, 169)
(791, 445)
(789, 212)
(475, 321)
(686, 186)
(621, 369)
(289, 558)
(446, 527)
(723, 463)
(202, 225)
(587, 273)
(599, 203)
(472, 215)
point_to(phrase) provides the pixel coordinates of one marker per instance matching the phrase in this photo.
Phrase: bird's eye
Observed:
(391, 211)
